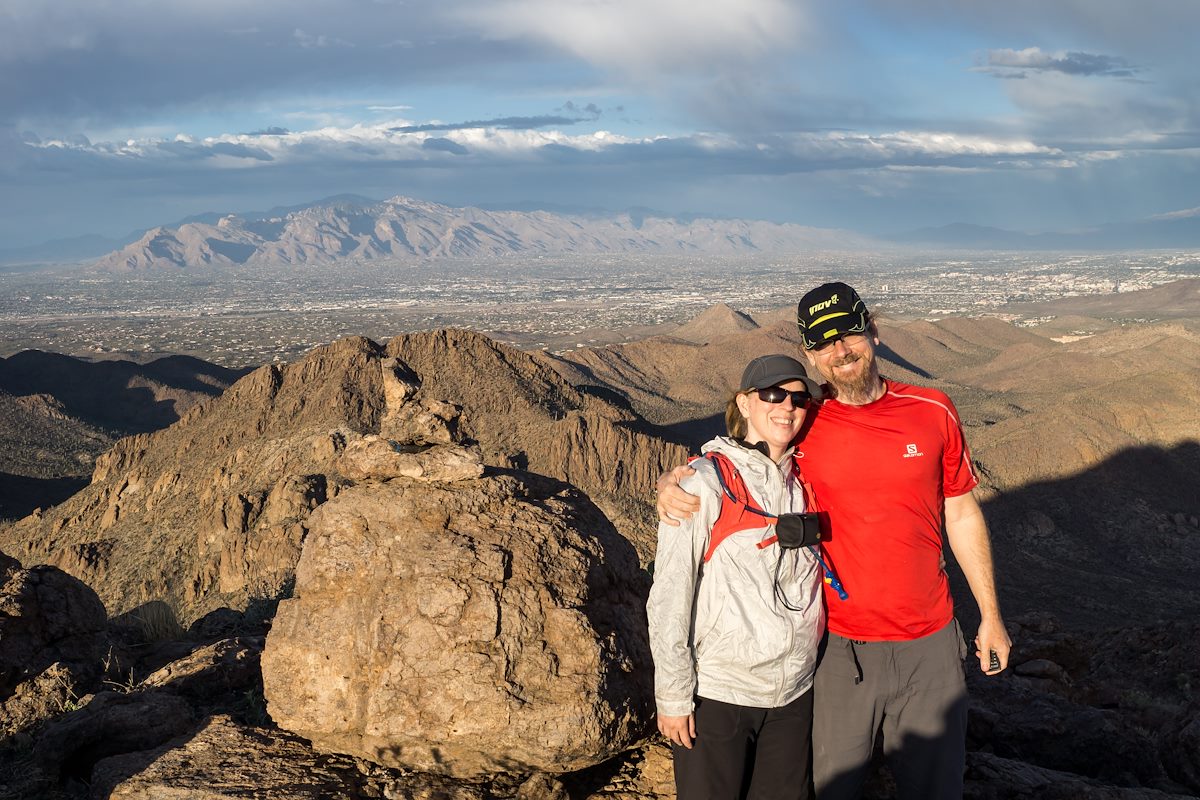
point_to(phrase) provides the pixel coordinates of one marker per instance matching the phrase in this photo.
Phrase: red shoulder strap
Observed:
(739, 512)
(810, 497)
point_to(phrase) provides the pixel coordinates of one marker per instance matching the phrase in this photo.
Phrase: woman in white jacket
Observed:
(736, 618)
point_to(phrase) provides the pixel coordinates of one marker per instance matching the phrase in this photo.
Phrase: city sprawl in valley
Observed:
(241, 316)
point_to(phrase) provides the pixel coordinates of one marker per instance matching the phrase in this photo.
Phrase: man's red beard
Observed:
(857, 387)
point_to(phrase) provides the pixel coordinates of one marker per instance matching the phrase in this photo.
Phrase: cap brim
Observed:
(839, 325)
(812, 386)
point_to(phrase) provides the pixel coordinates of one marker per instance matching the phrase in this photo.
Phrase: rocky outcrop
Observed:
(224, 665)
(213, 511)
(524, 414)
(489, 625)
(138, 704)
(225, 759)
(109, 724)
(990, 777)
(51, 641)
(373, 457)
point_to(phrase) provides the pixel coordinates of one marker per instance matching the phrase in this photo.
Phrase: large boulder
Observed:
(47, 616)
(487, 625)
(51, 642)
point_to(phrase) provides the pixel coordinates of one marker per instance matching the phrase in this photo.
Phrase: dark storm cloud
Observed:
(445, 145)
(194, 150)
(506, 123)
(1019, 63)
(591, 109)
(74, 59)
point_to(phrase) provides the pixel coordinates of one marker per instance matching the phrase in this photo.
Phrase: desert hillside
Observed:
(58, 414)
(212, 510)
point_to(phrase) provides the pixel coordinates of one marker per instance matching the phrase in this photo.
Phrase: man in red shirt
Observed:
(889, 462)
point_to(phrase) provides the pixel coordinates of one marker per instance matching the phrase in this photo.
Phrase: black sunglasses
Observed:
(777, 394)
(841, 337)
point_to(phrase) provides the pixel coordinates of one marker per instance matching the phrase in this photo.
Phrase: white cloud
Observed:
(937, 143)
(305, 39)
(1186, 213)
(643, 37)
(383, 143)
(1065, 107)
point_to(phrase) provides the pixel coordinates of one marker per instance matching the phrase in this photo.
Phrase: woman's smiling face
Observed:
(774, 423)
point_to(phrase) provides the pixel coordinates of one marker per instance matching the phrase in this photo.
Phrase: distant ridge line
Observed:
(353, 228)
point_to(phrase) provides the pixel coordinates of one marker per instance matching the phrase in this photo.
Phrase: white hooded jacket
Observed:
(718, 629)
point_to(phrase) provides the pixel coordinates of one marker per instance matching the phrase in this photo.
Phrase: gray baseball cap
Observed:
(766, 371)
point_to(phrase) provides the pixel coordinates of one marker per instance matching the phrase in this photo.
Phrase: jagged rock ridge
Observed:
(213, 510)
(406, 228)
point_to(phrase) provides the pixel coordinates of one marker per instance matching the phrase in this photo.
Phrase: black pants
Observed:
(743, 753)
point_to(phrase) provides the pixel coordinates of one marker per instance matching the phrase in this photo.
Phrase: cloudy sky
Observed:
(873, 115)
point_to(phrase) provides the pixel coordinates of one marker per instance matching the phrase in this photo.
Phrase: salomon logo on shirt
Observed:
(913, 452)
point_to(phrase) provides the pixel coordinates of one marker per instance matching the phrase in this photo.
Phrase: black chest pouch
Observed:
(798, 530)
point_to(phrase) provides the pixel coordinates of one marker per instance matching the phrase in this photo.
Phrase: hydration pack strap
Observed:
(739, 513)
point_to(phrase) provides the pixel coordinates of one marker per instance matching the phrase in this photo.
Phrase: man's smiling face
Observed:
(848, 364)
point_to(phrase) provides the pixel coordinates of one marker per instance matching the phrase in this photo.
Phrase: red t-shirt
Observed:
(883, 471)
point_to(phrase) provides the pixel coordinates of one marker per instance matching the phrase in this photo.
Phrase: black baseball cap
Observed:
(830, 310)
(767, 371)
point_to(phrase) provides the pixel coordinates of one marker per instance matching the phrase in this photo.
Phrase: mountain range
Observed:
(58, 413)
(356, 227)
(406, 228)
(1053, 420)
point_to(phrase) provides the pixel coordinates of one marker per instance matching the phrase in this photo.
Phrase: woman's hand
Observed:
(673, 503)
(680, 730)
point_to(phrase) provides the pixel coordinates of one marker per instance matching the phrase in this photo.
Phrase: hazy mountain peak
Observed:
(352, 227)
(713, 322)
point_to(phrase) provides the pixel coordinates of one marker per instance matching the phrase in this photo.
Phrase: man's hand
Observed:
(992, 638)
(968, 536)
(680, 730)
(674, 503)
